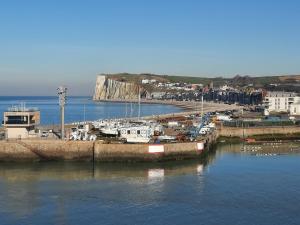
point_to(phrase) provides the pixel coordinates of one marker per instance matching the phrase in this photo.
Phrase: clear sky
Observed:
(47, 43)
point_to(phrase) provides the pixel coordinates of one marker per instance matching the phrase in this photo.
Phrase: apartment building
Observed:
(281, 102)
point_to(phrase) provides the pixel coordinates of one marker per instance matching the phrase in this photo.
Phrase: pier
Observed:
(185, 143)
(253, 131)
(41, 150)
(45, 150)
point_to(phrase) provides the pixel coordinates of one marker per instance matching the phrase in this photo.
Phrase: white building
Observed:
(280, 102)
(147, 81)
(20, 122)
(295, 109)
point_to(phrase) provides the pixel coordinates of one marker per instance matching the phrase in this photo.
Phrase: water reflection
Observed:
(60, 191)
(12, 173)
(269, 148)
(156, 174)
(25, 187)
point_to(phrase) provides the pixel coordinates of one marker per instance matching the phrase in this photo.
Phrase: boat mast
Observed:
(125, 109)
(139, 104)
(202, 105)
(84, 113)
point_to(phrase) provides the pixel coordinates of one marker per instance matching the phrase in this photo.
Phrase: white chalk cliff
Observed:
(112, 89)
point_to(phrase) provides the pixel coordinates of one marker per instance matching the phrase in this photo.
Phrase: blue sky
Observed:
(47, 43)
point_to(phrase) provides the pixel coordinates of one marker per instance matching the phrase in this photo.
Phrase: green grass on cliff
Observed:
(217, 81)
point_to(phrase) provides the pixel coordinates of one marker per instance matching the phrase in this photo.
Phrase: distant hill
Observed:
(276, 82)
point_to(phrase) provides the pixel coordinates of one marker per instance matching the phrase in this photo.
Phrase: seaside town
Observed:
(210, 112)
(150, 112)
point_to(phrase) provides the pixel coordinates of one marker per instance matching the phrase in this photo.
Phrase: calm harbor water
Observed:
(81, 108)
(228, 187)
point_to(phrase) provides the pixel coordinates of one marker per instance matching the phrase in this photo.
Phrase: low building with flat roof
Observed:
(20, 122)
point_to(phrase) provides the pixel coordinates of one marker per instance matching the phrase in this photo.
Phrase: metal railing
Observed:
(22, 109)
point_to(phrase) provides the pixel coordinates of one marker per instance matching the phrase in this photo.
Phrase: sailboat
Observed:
(109, 131)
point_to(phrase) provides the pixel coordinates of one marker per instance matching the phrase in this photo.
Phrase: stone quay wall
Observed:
(39, 150)
(250, 131)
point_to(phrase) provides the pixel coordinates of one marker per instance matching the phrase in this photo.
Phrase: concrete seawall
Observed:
(39, 150)
(246, 132)
(36, 150)
(137, 152)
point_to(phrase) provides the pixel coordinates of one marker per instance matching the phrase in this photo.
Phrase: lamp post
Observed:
(202, 105)
(62, 94)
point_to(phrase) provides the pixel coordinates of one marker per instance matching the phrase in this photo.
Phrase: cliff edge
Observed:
(107, 88)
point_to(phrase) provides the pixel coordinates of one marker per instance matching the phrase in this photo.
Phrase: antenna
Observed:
(202, 106)
(62, 95)
(84, 119)
(125, 108)
(139, 113)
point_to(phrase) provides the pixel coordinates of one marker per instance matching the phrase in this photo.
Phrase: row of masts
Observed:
(131, 108)
(62, 100)
(139, 107)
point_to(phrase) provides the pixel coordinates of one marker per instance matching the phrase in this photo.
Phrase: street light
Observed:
(62, 94)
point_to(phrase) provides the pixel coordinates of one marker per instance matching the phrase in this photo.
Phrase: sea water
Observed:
(83, 108)
(227, 187)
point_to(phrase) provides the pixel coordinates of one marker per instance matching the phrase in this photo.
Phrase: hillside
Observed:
(264, 81)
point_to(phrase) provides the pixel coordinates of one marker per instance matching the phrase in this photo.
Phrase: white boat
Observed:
(80, 134)
(108, 123)
(138, 140)
(166, 138)
(100, 123)
(224, 118)
(109, 131)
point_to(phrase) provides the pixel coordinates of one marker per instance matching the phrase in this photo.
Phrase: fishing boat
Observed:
(138, 140)
(109, 131)
(81, 133)
(166, 138)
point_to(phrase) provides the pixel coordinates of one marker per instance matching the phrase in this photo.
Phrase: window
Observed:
(128, 131)
(138, 132)
(16, 119)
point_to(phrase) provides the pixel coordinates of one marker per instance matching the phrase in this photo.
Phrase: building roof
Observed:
(21, 109)
(281, 94)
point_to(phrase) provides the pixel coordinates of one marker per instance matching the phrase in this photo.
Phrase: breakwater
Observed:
(39, 150)
(252, 131)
